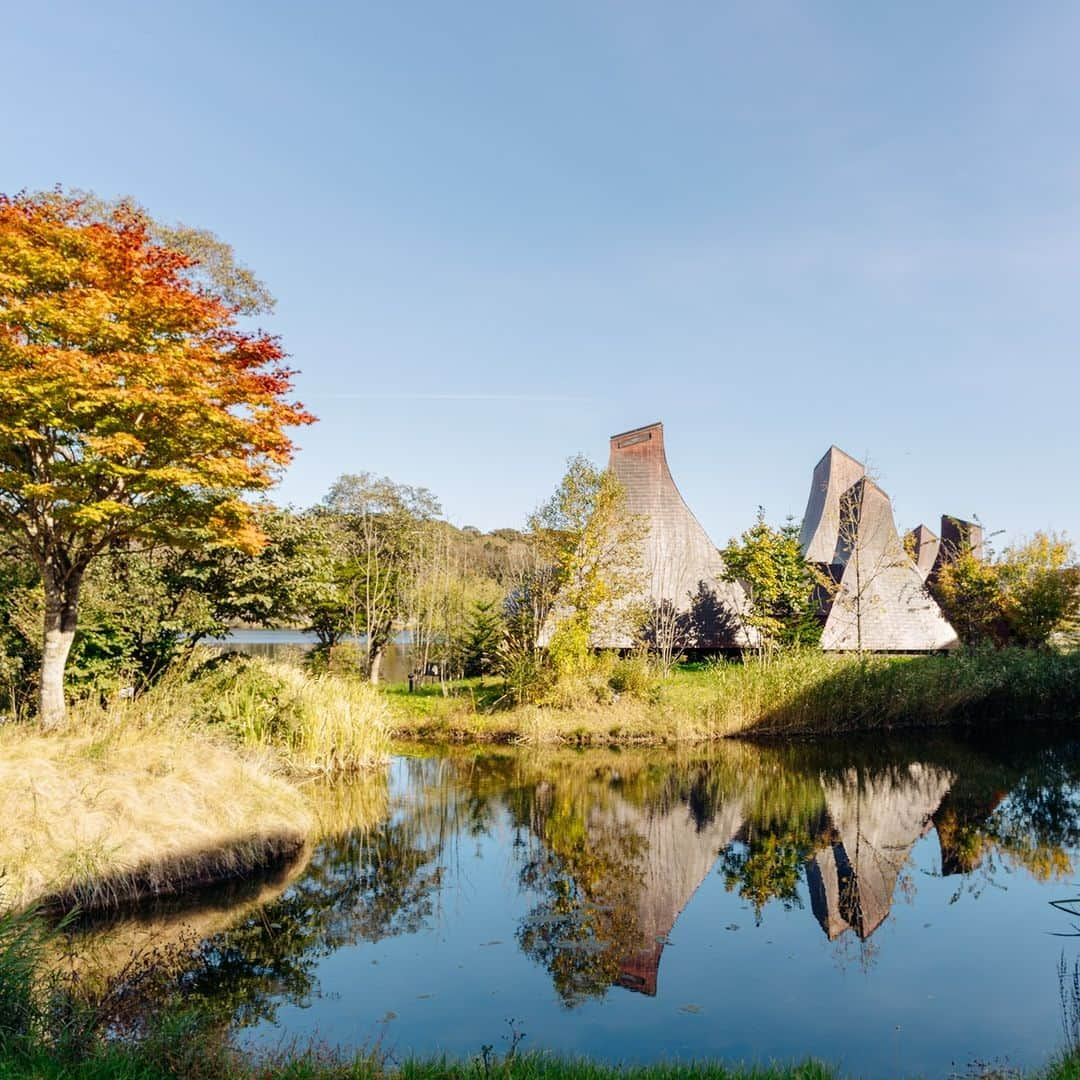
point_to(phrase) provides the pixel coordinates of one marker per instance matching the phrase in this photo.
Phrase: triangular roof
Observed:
(924, 546)
(881, 604)
(820, 534)
(957, 536)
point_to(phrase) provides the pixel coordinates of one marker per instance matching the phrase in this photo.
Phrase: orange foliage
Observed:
(131, 403)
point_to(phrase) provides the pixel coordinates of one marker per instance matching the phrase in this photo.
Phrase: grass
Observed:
(795, 694)
(111, 811)
(197, 781)
(311, 723)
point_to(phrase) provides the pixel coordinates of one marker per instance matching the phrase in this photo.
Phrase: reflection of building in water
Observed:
(679, 852)
(877, 820)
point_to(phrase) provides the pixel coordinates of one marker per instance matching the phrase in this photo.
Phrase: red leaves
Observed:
(111, 352)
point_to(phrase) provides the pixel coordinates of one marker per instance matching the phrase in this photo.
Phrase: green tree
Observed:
(483, 636)
(1022, 597)
(377, 527)
(781, 586)
(585, 532)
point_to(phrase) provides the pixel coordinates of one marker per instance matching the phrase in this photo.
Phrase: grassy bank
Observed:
(192, 783)
(111, 812)
(797, 694)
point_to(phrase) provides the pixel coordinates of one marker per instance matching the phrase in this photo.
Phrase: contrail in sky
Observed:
(451, 397)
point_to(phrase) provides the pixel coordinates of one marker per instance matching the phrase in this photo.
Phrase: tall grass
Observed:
(818, 693)
(112, 809)
(803, 693)
(180, 787)
(315, 723)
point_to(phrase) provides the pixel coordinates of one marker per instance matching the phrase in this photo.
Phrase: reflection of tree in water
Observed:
(586, 920)
(356, 888)
(767, 867)
(622, 848)
(612, 846)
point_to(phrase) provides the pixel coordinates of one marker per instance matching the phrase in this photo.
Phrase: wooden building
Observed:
(879, 601)
(682, 566)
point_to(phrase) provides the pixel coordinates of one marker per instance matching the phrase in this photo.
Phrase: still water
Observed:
(885, 905)
(293, 646)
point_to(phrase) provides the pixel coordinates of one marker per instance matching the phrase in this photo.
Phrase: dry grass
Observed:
(113, 810)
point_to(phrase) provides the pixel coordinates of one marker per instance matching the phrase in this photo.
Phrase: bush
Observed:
(319, 723)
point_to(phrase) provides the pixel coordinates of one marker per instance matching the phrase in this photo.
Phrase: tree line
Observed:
(140, 420)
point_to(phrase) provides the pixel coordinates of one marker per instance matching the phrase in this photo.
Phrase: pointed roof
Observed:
(924, 546)
(957, 537)
(820, 534)
(881, 604)
(683, 565)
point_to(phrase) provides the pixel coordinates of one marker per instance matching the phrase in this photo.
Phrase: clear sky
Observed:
(499, 232)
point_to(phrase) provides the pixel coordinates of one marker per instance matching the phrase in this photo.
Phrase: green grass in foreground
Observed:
(189, 1060)
(802, 693)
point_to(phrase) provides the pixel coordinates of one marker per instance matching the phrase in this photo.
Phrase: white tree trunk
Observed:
(61, 615)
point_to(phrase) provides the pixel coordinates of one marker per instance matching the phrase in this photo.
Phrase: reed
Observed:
(315, 723)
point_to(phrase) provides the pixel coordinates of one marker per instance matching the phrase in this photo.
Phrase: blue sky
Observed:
(500, 232)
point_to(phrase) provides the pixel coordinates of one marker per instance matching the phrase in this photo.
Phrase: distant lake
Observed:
(291, 646)
(885, 904)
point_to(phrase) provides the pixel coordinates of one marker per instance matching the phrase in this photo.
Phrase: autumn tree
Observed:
(1024, 596)
(133, 408)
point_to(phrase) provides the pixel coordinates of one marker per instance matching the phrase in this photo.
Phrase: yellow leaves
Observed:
(127, 393)
(233, 524)
(120, 445)
(103, 512)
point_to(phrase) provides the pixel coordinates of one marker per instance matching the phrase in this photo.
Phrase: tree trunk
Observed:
(61, 615)
(376, 663)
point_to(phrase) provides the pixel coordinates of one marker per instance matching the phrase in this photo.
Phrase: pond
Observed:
(886, 905)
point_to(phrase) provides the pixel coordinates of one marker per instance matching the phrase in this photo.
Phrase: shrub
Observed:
(319, 723)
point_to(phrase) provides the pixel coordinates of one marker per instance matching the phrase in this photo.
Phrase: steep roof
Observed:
(683, 566)
(881, 604)
(957, 537)
(924, 547)
(820, 534)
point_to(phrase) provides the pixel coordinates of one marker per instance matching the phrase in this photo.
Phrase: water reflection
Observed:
(602, 852)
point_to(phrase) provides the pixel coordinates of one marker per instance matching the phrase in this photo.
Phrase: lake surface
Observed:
(292, 646)
(886, 905)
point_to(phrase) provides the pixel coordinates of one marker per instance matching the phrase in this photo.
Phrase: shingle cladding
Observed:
(820, 534)
(958, 537)
(924, 547)
(881, 603)
(683, 566)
